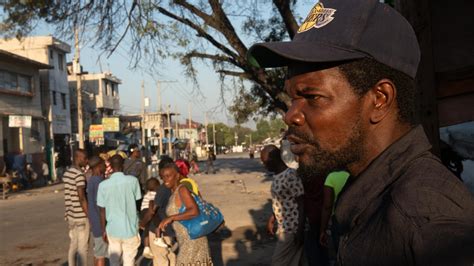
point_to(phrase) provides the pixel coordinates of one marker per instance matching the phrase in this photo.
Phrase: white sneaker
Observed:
(147, 253)
(160, 242)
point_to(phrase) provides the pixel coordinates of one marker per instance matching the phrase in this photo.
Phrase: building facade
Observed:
(100, 98)
(54, 89)
(20, 96)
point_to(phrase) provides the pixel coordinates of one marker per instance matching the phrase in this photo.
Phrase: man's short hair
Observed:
(79, 152)
(363, 74)
(116, 161)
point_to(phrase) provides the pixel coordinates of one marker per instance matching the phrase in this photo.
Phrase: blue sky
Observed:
(178, 94)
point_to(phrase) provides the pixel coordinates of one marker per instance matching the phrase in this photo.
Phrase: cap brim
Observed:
(280, 54)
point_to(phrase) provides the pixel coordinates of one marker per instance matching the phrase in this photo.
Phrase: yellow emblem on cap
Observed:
(318, 17)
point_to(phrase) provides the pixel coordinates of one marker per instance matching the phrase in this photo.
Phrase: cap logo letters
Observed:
(318, 17)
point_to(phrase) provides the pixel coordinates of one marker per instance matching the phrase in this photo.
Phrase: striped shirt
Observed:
(73, 178)
(149, 196)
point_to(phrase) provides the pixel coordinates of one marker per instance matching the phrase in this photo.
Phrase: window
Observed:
(15, 82)
(63, 100)
(51, 56)
(107, 88)
(54, 98)
(60, 62)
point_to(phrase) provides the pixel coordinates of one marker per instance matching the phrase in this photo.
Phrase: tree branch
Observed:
(283, 7)
(233, 73)
(216, 57)
(201, 33)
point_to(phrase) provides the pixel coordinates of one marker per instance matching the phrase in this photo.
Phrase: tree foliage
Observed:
(213, 31)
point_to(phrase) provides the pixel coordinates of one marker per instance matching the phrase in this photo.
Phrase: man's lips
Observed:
(298, 146)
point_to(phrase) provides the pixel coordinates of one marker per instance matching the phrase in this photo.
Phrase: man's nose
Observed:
(294, 116)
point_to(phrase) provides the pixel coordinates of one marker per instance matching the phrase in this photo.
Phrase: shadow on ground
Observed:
(235, 165)
(250, 245)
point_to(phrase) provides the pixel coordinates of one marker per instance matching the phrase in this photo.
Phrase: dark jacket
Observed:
(406, 208)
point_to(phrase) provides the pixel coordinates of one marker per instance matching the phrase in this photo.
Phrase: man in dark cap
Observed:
(351, 71)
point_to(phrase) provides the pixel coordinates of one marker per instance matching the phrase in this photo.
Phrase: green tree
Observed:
(214, 31)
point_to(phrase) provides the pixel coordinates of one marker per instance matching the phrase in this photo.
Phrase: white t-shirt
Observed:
(45, 169)
(286, 187)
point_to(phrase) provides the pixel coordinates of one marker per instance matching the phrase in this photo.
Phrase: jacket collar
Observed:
(384, 170)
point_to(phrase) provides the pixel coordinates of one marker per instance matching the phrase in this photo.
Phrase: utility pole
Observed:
(159, 107)
(214, 136)
(143, 114)
(191, 140)
(169, 131)
(176, 133)
(207, 135)
(77, 71)
(160, 128)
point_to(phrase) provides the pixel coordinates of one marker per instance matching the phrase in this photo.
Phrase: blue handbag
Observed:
(208, 220)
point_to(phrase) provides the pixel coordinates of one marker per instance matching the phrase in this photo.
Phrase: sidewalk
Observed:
(53, 188)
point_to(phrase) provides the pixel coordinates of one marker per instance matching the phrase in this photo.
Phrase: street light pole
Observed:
(214, 136)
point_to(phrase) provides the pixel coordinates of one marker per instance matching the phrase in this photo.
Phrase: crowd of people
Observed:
(110, 197)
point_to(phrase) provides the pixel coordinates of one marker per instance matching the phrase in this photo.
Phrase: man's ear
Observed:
(382, 100)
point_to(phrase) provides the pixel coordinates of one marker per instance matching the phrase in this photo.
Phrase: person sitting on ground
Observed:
(97, 166)
(287, 204)
(191, 251)
(152, 186)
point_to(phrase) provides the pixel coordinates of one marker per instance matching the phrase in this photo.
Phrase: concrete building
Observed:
(20, 95)
(100, 98)
(54, 89)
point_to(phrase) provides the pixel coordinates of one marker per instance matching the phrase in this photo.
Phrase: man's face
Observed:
(82, 159)
(325, 121)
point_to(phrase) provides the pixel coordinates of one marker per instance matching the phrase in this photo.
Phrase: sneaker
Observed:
(147, 253)
(160, 242)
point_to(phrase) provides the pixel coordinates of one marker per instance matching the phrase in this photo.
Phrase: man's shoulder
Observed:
(428, 189)
(73, 172)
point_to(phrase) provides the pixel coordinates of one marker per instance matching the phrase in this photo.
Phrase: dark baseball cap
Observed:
(341, 30)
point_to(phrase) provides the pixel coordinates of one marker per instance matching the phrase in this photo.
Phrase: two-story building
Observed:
(100, 97)
(22, 124)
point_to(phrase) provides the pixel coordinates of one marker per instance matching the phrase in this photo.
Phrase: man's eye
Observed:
(311, 96)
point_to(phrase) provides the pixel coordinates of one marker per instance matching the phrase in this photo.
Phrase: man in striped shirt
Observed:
(76, 209)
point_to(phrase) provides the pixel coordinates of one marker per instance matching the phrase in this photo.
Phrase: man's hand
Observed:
(167, 221)
(324, 239)
(104, 237)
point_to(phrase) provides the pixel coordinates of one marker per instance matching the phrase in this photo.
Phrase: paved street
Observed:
(34, 232)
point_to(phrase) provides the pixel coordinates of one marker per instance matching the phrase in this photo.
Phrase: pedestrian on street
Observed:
(135, 166)
(163, 250)
(191, 251)
(287, 205)
(76, 209)
(351, 70)
(97, 166)
(211, 157)
(117, 197)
